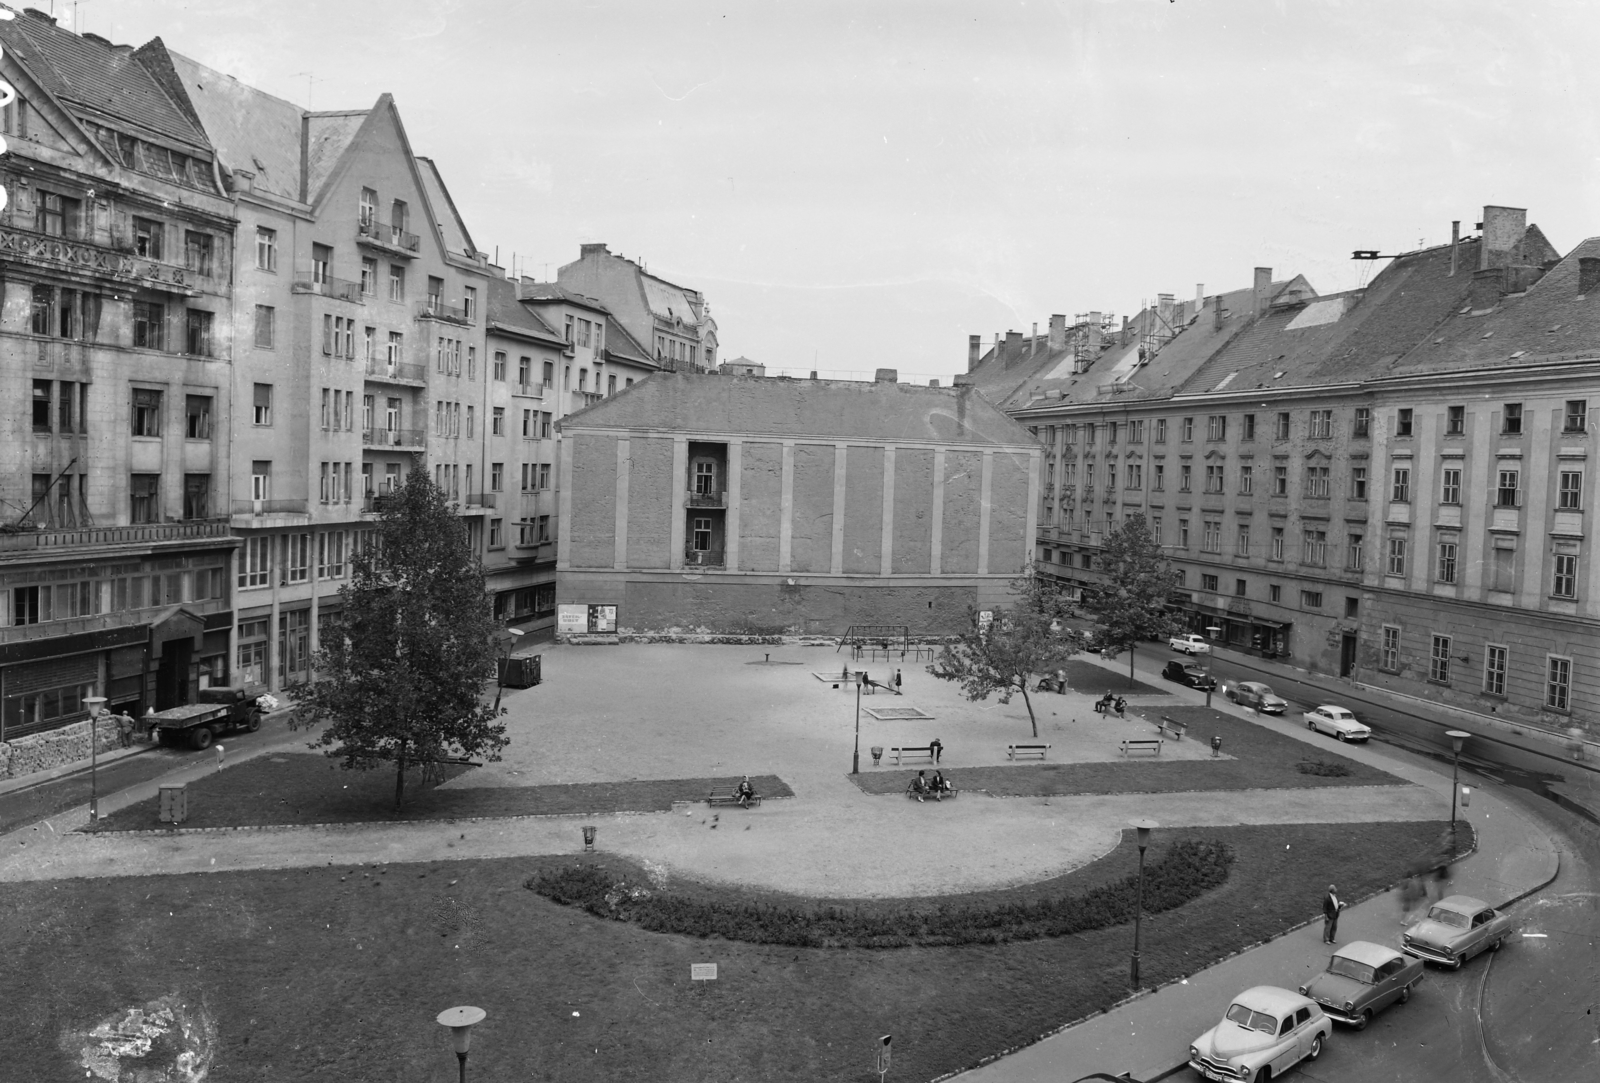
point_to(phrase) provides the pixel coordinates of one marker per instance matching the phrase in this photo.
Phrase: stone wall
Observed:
(55, 748)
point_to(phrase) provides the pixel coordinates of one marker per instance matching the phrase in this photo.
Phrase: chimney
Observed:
(1058, 333)
(1094, 335)
(1488, 285)
(1216, 312)
(1588, 274)
(1455, 245)
(933, 383)
(1127, 332)
(1503, 228)
(813, 374)
(1262, 288)
(1013, 347)
(974, 351)
(587, 250)
(1199, 297)
(886, 376)
(243, 180)
(1164, 310)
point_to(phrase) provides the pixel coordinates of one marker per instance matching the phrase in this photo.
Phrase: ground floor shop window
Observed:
(252, 652)
(294, 647)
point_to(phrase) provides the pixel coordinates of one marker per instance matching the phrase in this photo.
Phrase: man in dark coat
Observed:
(1331, 905)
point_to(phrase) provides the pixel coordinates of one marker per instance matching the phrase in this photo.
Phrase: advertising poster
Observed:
(572, 619)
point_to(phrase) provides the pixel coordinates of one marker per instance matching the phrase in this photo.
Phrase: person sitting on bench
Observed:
(939, 786)
(919, 785)
(1103, 702)
(1121, 705)
(745, 793)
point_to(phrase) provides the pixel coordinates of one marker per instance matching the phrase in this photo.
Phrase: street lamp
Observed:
(855, 758)
(1211, 661)
(1143, 827)
(504, 664)
(95, 704)
(461, 1021)
(1457, 739)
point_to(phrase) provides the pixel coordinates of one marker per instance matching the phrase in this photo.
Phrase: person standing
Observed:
(1331, 905)
(125, 729)
(936, 746)
(897, 680)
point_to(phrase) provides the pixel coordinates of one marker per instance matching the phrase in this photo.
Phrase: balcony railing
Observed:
(706, 500)
(328, 286)
(481, 500)
(271, 507)
(435, 309)
(394, 437)
(140, 534)
(703, 558)
(377, 502)
(112, 261)
(397, 371)
(375, 232)
(533, 390)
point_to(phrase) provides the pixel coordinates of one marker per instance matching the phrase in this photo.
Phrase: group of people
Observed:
(1110, 702)
(923, 787)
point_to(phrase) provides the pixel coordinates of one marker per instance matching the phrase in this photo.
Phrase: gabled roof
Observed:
(829, 409)
(328, 136)
(451, 224)
(250, 128)
(506, 313)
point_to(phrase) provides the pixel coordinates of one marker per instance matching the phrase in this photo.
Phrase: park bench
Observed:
(921, 752)
(1017, 752)
(714, 799)
(1151, 745)
(1171, 726)
(931, 796)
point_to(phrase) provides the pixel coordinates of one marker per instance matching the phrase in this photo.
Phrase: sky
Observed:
(864, 184)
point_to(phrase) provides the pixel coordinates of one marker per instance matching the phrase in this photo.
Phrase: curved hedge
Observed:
(1188, 869)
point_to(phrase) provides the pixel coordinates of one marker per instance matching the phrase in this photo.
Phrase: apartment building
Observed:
(116, 332)
(672, 322)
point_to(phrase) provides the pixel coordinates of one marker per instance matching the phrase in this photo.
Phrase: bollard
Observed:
(219, 757)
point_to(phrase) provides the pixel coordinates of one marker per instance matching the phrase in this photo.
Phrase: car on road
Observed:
(1361, 980)
(1259, 696)
(1265, 1032)
(1188, 673)
(1190, 644)
(1337, 722)
(1455, 929)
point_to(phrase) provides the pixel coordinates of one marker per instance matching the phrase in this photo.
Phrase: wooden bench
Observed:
(931, 796)
(1017, 752)
(714, 799)
(921, 752)
(1151, 745)
(1171, 726)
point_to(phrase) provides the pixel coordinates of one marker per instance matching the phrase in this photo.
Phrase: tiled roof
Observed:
(829, 409)
(506, 311)
(250, 128)
(108, 82)
(456, 237)
(622, 345)
(546, 292)
(327, 136)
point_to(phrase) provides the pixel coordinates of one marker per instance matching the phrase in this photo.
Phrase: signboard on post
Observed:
(883, 1055)
(702, 971)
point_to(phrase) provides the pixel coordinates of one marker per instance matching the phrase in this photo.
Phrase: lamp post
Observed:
(95, 704)
(461, 1021)
(1211, 661)
(1143, 827)
(505, 664)
(855, 758)
(1457, 739)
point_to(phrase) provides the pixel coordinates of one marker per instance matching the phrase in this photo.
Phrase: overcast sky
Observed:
(862, 184)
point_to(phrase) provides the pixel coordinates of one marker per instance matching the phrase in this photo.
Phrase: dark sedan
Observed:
(1191, 675)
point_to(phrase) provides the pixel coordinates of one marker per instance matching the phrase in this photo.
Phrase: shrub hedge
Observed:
(1189, 869)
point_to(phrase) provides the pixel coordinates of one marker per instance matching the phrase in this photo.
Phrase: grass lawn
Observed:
(304, 788)
(1263, 759)
(575, 998)
(1093, 679)
(40, 802)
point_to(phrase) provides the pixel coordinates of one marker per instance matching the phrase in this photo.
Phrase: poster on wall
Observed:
(572, 619)
(602, 618)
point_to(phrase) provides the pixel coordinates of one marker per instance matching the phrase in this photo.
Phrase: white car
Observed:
(1190, 644)
(1265, 1032)
(1337, 722)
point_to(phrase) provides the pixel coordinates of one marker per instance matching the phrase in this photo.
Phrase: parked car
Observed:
(1257, 695)
(1190, 644)
(1362, 979)
(1337, 722)
(1188, 673)
(1455, 929)
(1265, 1032)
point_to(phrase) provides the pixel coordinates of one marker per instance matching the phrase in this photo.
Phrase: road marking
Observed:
(1541, 936)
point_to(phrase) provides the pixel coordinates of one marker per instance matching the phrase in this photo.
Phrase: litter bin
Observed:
(174, 804)
(877, 754)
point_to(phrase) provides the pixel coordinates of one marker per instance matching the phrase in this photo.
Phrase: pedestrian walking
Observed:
(1412, 892)
(937, 747)
(125, 729)
(1331, 905)
(897, 681)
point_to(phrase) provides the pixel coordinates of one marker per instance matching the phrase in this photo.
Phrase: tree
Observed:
(1003, 648)
(1132, 603)
(402, 668)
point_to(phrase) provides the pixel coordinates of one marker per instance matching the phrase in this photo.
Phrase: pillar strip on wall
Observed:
(839, 451)
(983, 513)
(886, 565)
(680, 490)
(786, 507)
(936, 557)
(567, 448)
(735, 471)
(1030, 535)
(619, 559)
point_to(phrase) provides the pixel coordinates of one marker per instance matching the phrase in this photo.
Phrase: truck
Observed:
(222, 708)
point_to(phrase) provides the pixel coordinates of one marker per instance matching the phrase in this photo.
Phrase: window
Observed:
(330, 554)
(1183, 533)
(1564, 581)
(197, 333)
(1155, 528)
(1363, 422)
(327, 408)
(498, 421)
(471, 425)
(1136, 432)
(41, 407)
(1208, 582)
(544, 475)
(1508, 494)
(1188, 429)
(1311, 599)
(1397, 556)
(144, 490)
(1275, 593)
(544, 425)
(197, 496)
(1283, 426)
(396, 349)
(544, 528)
(1321, 424)
(527, 424)
(262, 408)
(1280, 480)
(1353, 548)
(321, 262)
(197, 252)
(146, 412)
(368, 210)
(1242, 542)
(1450, 488)
(197, 417)
(266, 249)
(57, 216)
(500, 365)
(497, 477)
(149, 324)
(1558, 683)
(1512, 419)
(1390, 652)
(1447, 561)
(44, 302)
(1217, 427)
(469, 303)
(1277, 543)
(1317, 481)
(1158, 480)
(1439, 660)
(1214, 478)
(1185, 472)
(399, 219)
(265, 330)
(397, 282)
(369, 276)
(1314, 547)
(1504, 568)
(435, 293)
(1135, 476)
(1249, 432)
(1494, 670)
(1161, 431)
(147, 238)
(1402, 422)
(1570, 497)
(1455, 420)
(702, 535)
(261, 479)
(1358, 483)
(1247, 478)
(1211, 536)
(1576, 418)
(496, 537)
(549, 375)
(611, 385)
(1400, 491)
(1352, 608)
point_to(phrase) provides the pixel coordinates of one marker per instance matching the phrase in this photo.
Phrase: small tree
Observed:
(401, 672)
(1000, 654)
(1132, 603)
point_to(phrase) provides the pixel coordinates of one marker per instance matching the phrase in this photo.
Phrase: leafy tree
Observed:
(1131, 605)
(401, 670)
(1000, 654)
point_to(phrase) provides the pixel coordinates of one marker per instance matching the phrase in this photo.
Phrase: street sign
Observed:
(702, 971)
(883, 1055)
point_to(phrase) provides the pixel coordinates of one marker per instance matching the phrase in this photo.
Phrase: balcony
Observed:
(702, 558)
(535, 391)
(706, 500)
(480, 500)
(271, 507)
(37, 541)
(377, 503)
(434, 308)
(394, 438)
(387, 238)
(395, 372)
(116, 261)
(337, 288)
